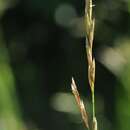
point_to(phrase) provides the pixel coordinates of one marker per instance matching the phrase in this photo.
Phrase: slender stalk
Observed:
(93, 104)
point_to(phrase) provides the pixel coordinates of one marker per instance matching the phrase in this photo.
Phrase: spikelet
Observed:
(80, 103)
(91, 74)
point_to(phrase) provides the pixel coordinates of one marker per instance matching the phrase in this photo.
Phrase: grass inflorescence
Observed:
(89, 27)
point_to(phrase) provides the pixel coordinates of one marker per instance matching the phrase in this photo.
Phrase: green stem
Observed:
(93, 104)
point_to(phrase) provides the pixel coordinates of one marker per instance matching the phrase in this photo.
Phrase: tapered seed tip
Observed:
(73, 80)
(73, 85)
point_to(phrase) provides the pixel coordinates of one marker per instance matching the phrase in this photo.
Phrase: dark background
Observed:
(42, 45)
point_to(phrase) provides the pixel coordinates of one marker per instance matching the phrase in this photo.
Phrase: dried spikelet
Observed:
(91, 74)
(89, 55)
(88, 8)
(80, 103)
(75, 92)
(91, 35)
(89, 21)
(84, 114)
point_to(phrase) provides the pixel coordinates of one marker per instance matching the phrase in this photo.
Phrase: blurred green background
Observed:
(42, 45)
